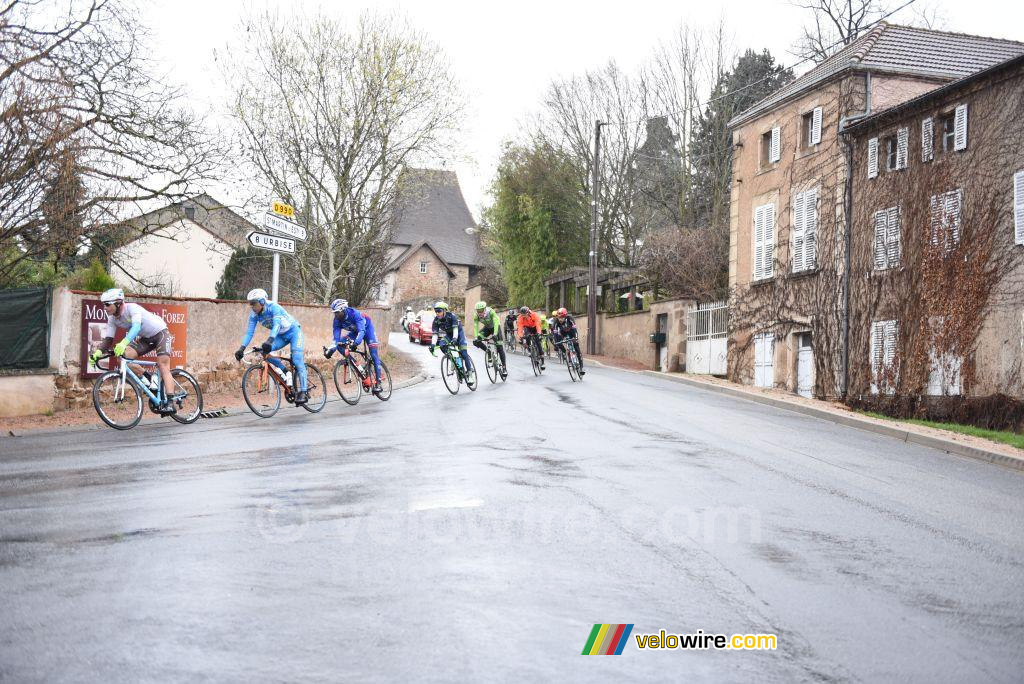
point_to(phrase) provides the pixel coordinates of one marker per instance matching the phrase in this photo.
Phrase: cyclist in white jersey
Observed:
(146, 332)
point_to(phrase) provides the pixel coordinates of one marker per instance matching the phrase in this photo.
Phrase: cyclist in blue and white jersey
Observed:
(284, 330)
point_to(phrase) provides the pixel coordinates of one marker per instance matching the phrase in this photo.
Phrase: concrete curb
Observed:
(229, 412)
(947, 445)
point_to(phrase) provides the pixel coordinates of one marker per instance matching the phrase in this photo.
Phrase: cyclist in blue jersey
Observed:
(351, 327)
(284, 330)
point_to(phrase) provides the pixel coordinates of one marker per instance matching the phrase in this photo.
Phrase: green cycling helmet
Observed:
(480, 306)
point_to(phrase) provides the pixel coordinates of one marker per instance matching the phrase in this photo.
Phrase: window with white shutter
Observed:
(893, 245)
(888, 248)
(776, 148)
(902, 140)
(946, 209)
(816, 126)
(927, 139)
(944, 377)
(960, 128)
(1018, 207)
(805, 230)
(883, 356)
(873, 158)
(764, 241)
(764, 360)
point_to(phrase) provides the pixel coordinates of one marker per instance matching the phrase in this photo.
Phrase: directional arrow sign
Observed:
(271, 242)
(275, 222)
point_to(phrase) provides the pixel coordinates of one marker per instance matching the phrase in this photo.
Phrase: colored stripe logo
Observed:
(607, 639)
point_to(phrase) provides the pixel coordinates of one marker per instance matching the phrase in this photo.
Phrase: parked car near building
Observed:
(421, 330)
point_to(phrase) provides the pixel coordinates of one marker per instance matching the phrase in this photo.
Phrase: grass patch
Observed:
(1005, 436)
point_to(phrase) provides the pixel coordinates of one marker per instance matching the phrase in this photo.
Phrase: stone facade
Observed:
(409, 282)
(973, 316)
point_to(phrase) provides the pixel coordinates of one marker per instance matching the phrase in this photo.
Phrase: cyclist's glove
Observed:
(95, 356)
(265, 348)
(120, 347)
(239, 353)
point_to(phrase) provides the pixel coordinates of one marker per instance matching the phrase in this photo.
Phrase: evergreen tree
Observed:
(755, 76)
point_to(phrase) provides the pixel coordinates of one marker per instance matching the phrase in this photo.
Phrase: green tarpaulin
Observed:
(24, 327)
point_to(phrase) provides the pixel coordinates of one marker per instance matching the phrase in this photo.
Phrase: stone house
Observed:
(180, 249)
(790, 193)
(435, 246)
(937, 241)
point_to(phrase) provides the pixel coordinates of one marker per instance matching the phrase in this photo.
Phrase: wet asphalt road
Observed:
(479, 537)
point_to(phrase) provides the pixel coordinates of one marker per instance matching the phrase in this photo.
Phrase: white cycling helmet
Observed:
(441, 305)
(114, 294)
(257, 295)
(339, 305)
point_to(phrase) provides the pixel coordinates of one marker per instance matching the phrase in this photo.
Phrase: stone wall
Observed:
(627, 335)
(215, 329)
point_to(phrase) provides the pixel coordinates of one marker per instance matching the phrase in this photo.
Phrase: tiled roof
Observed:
(433, 210)
(892, 49)
(209, 213)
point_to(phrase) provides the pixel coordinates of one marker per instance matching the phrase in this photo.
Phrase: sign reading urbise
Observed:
(272, 243)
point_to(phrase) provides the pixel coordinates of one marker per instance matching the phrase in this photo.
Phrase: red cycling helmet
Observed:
(562, 313)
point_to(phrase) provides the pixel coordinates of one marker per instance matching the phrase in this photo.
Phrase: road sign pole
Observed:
(277, 272)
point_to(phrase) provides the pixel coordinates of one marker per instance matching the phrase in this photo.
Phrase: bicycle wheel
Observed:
(385, 382)
(316, 390)
(121, 411)
(472, 380)
(534, 360)
(187, 397)
(491, 365)
(570, 362)
(450, 374)
(347, 381)
(262, 396)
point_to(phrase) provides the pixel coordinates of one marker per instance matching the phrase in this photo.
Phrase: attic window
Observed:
(190, 213)
(423, 267)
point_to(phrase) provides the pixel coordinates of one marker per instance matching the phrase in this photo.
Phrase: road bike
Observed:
(453, 371)
(263, 385)
(492, 361)
(570, 358)
(354, 374)
(118, 394)
(531, 342)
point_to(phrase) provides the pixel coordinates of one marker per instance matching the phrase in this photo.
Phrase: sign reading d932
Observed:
(272, 242)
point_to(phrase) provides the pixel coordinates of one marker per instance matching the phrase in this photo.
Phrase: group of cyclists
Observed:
(148, 332)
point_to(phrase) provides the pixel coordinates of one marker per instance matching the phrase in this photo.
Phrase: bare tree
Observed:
(835, 24)
(87, 135)
(329, 116)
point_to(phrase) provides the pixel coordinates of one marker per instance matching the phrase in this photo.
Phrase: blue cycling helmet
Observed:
(339, 305)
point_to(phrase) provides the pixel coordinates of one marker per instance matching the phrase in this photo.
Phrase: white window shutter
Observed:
(877, 348)
(797, 231)
(873, 158)
(769, 240)
(775, 153)
(880, 237)
(816, 126)
(960, 128)
(758, 243)
(811, 228)
(902, 139)
(1018, 208)
(954, 206)
(892, 238)
(927, 139)
(889, 357)
(936, 218)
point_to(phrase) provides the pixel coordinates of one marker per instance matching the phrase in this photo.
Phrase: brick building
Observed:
(435, 247)
(937, 241)
(790, 194)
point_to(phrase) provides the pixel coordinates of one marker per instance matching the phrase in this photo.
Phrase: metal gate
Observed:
(707, 333)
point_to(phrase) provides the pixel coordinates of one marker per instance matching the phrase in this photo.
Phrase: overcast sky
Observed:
(506, 53)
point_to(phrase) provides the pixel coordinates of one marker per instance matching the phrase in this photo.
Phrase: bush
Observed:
(994, 412)
(92, 278)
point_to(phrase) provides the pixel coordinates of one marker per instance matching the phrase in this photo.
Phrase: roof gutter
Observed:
(847, 229)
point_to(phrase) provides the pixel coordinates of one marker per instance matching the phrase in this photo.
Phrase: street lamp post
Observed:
(592, 288)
